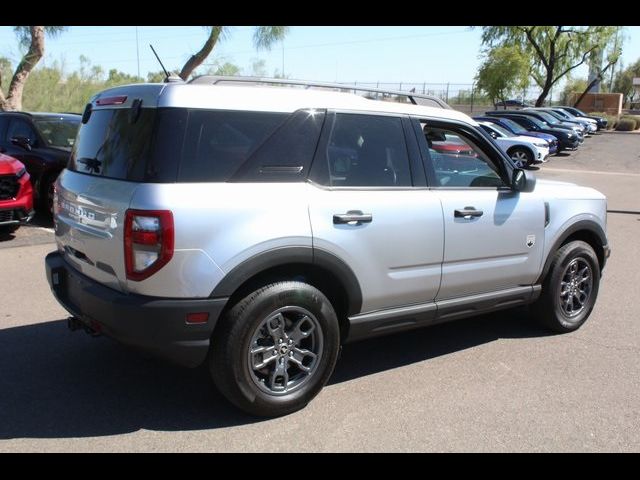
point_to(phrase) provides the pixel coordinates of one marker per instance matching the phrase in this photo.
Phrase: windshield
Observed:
(514, 126)
(548, 117)
(58, 132)
(563, 114)
(537, 122)
(502, 130)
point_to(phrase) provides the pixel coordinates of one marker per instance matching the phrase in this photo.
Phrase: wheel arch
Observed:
(319, 268)
(522, 146)
(587, 231)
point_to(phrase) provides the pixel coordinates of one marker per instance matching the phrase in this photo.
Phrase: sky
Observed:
(414, 55)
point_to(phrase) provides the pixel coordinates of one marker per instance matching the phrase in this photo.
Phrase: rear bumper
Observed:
(155, 325)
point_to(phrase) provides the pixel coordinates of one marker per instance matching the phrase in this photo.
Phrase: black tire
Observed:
(45, 199)
(549, 309)
(233, 338)
(524, 156)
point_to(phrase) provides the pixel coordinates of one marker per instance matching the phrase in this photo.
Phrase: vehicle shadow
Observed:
(6, 236)
(58, 384)
(40, 219)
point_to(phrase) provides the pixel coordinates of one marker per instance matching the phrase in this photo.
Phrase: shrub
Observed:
(635, 118)
(611, 119)
(626, 125)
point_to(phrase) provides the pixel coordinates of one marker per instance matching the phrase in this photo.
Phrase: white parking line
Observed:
(50, 230)
(595, 172)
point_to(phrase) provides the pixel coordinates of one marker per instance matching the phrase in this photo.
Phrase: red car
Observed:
(16, 194)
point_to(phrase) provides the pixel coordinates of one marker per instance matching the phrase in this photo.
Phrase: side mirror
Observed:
(523, 180)
(21, 141)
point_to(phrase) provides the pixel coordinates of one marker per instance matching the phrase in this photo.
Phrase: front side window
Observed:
(367, 151)
(457, 160)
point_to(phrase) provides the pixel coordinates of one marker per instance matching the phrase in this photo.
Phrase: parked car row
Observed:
(34, 149)
(531, 134)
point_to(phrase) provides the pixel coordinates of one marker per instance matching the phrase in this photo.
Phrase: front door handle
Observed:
(467, 212)
(355, 217)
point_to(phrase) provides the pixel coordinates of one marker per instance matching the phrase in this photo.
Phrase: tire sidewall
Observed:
(574, 250)
(275, 297)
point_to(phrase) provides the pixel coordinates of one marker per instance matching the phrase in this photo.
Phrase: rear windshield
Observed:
(192, 145)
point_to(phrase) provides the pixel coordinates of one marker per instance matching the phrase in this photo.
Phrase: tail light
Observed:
(148, 242)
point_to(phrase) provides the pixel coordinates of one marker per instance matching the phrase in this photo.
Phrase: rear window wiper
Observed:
(91, 164)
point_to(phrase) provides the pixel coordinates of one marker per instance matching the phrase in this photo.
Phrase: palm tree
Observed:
(263, 37)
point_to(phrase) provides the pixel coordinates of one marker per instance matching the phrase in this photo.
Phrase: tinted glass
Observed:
(4, 123)
(20, 128)
(287, 154)
(217, 143)
(458, 161)
(58, 132)
(515, 128)
(111, 145)
(367, 151)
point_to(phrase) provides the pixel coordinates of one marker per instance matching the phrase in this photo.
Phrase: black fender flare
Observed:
(582, 225)
(283, 256)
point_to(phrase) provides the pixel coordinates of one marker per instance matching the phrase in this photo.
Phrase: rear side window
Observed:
(218, 142)
(287, 154)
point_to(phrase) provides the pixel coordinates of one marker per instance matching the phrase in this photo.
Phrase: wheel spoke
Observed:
(298, 333)
(280, 372)
(262, 356)
(275, 326)
(299, 354)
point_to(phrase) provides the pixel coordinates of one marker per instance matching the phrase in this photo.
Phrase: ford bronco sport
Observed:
(258, 228)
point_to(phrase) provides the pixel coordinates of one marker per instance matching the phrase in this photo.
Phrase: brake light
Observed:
(119, 100)
(148, 242)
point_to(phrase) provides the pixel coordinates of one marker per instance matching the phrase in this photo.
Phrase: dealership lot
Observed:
(492, 383)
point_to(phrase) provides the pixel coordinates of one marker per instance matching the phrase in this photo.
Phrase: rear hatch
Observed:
(109, 160)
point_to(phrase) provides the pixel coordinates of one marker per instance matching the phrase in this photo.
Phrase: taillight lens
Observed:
(148, 242)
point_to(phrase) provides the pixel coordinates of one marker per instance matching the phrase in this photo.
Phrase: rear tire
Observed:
(570, 289)
(275, 349)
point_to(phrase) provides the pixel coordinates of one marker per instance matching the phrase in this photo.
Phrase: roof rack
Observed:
(411, 96)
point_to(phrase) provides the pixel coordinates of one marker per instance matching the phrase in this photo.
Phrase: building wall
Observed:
(610, 103)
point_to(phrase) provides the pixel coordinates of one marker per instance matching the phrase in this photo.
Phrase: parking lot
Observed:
(490, 383)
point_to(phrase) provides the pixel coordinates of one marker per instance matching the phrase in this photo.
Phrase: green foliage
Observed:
(623, 82)
(553, 51)
(504, 71)
(634, 118)
(24, 33)
(626, 125)
(50, 89)
(611, 119)
(573, 85)
(265, 37)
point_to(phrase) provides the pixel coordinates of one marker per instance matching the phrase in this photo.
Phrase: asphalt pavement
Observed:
(489, 384)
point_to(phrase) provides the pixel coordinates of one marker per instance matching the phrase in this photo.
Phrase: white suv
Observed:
(258, 228)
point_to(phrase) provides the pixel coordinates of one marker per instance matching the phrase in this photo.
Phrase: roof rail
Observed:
(411, 96)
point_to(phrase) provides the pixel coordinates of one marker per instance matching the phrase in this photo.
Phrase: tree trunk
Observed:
(196, 60)
(13, 100)
(598, 78)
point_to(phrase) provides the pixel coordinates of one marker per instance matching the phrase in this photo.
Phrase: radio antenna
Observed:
(160, 62)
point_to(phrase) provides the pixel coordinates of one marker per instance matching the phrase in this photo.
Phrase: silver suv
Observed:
(258, 228)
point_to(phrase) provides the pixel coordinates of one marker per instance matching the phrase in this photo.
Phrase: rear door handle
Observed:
(352, 216)
(467, 212)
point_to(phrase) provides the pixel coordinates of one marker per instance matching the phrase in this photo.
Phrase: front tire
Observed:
(570, 289)
(522, 158)
(275, 349)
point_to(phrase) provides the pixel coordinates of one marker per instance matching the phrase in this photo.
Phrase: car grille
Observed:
(8, 187)
(6, 216)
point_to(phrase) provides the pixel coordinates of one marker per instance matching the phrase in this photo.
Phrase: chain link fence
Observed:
(464, 97)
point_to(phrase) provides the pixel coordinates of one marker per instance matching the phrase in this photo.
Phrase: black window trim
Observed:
(498, 158)
(417, 181)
